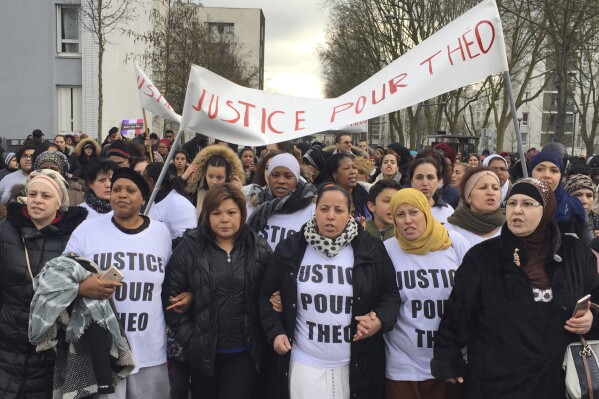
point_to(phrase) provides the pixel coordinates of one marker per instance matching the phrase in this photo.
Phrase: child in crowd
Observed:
(379, 203)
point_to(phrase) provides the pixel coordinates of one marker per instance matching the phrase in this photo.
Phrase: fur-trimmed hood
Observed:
(355, 150)
(79, 148)
(196, 180)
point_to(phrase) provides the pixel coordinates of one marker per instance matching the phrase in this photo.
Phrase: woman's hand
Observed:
(94, 288)
(368, 325)
(580, 325)
(193, 168)
(237, 182)
(457, 380)
(180, 303)
(282, 344)
(275, 301)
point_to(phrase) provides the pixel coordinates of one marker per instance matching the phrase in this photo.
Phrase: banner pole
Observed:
(147, 132)
(163, 171)
(508, 86)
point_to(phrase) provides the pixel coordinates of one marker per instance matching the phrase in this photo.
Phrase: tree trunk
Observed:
(100, 94)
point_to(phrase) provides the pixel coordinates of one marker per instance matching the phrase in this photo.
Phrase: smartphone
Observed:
(113, 274)
(581, 306)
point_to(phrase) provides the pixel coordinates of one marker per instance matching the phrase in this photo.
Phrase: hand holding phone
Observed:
(112, 274)
(581, 306)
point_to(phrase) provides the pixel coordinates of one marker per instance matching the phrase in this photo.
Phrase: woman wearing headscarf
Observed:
(329, 334)
(283, 206)
(313, 160)
(425, 256)
(479, 215)
(140, 247)
(31, 235)
(222, 262)
(56, 160)
(216, 164)
(570, 215)
(583, 188)
(512, 304)
(98, 175)
(86, 150)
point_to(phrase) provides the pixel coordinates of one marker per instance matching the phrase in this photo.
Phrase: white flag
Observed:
(151, 98)
(467, 50)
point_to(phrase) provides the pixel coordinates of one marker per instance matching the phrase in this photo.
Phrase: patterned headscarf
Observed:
(435, 236)
(55, 182)
(56, 157)
(579, 182)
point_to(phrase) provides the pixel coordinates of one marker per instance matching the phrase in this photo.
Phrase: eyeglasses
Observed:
(525, 204)
(347, 142)
(26, 156)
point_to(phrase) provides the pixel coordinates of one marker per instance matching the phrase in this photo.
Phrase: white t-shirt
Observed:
(441, 213)
(91, 213)
(324, 309)
(425, 282)
(472, 238)
(280, 226)
(176, 212)
(142, 258)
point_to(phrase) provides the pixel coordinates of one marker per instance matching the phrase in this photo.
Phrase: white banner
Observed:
(151, 99)
(466, 51)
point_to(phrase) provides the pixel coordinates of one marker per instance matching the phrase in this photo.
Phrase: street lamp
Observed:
(574, 112)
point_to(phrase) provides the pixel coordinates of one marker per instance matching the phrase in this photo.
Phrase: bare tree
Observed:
(178, 39)
(101, 18)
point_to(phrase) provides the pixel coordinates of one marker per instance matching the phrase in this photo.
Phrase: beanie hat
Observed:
(136, 178)
(8, 156)
(118, 149)
(55, 157)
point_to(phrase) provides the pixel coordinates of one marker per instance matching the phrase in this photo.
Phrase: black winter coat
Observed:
(515, 345)
(190, 269)
(24, 373)
(375, 289)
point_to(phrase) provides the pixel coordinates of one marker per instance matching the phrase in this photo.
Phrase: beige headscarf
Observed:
(54, 181)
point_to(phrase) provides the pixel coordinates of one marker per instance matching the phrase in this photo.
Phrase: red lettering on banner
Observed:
(298, 120)
(234, 120)
(336, 110)
(374, 100)
(469, 45)
(360, 104)
(395, 84)
(246, 115)
(151, 95)
(272, 129)
(139, 85)
(479, 39)
(213, 113)
(359, 108)
(430, 64)
(198, 107)
(449, 51)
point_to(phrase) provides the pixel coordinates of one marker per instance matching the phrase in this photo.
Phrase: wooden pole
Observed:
(147, 132)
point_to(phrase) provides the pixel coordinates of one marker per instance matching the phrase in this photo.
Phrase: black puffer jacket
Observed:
(24, 373)
(375, 289)
(190, 269)
(515, 345)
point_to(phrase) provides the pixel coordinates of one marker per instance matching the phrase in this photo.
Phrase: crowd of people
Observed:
(299, 271)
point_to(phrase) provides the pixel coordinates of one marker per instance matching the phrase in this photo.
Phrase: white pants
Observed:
(307, 382)
(147, 383)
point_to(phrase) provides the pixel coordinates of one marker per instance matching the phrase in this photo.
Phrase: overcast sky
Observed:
(294, 28)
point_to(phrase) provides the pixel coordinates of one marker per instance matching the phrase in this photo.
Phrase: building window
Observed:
(524, 138)
(69, 109)
(67, 25)
(218, 29)
(524, 118)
